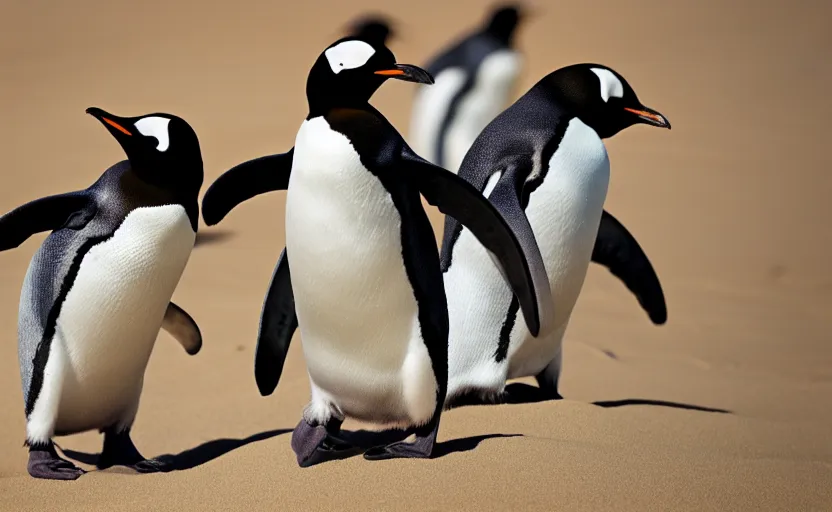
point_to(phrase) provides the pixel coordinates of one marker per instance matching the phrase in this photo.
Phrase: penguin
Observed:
(99, 288)
(475, 78)
(547, 150)
(372, 28)
(360, 274)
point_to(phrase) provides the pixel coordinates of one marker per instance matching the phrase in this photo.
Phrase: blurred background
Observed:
(731, 205)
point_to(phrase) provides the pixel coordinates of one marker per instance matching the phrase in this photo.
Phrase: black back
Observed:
(534, 121)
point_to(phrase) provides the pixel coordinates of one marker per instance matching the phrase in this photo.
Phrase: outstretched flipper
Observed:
(505, 234)
(278, 323)
(616, 249)
(181, 326)
(244, 181)
(71, 210)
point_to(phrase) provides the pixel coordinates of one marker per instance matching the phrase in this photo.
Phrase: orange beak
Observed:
(116, 126)
(407, 73)
(650, 116)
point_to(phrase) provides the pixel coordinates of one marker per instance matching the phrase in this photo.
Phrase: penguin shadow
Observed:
(520, 393)
(204, 238)
(191, 458)
(366, 439)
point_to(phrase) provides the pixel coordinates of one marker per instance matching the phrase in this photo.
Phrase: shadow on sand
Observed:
(365, 439)
(202, 454)
(211, 237)
(519, 393)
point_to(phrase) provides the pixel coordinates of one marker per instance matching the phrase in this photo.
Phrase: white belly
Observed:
(564, 212)
(111, 317)
(490, 95)
(356, 310)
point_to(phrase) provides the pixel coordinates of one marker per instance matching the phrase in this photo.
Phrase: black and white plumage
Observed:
(475, 78)
(547, 150)
(98, 290)
(365, 287)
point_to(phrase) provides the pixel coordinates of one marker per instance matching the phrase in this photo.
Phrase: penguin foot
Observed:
(314, 444)
(119, 450)
(419, 448)
(156, 465)
(44, 462)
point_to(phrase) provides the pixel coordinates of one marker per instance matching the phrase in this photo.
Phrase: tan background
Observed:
(732, 206)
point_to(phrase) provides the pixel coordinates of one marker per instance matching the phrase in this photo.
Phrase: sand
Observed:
(727, 407)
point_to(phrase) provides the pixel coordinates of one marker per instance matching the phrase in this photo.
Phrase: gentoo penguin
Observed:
(475, 78)
(546, 150)
(99, 288)
(365, 286)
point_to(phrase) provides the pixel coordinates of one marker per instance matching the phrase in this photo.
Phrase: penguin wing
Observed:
(616, 249)
(71, 210)
(506, 196)
(278, 323)
(244, 181)
(517, 253)
(181, 326)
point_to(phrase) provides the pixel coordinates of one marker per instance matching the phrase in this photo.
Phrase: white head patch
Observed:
(155, 127)
(610, 84)
(349, 55)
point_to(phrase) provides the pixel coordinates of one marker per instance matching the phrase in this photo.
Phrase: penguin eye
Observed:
(611, 86)
(156, 127)
(348, 55)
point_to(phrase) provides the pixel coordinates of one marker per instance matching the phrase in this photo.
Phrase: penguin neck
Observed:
(324, 108)
(323, 104)
(184, 181)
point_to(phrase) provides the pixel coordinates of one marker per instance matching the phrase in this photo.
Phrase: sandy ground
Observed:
(727, 407)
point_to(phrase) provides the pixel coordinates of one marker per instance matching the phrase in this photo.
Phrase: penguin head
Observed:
(162, 148)
(350, 70)
(503, 21)
(374, 29)
(601, 98)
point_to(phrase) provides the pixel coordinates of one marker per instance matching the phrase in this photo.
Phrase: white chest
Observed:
(123, 286)
(343, 239)
(565, 210)
(111, 316)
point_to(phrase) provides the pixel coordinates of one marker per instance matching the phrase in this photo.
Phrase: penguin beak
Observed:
(114, 124)
(407, 73)
(649, 116)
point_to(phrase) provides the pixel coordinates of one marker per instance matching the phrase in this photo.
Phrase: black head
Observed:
(162, 149)
(350, 70)
(601, 98)
(503, 21)
(374, 29)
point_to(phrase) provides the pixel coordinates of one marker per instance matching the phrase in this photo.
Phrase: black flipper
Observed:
(72, 210)
(244, 181)
(278, 323)
(616, 249)
(520, 259)
(183, 328)
(507, 196)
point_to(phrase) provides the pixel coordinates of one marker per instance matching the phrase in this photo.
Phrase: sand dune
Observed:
(727, 407)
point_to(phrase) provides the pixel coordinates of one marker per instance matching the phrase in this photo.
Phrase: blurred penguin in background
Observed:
(374, 28)
(475, 78)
